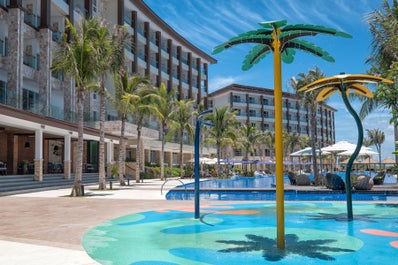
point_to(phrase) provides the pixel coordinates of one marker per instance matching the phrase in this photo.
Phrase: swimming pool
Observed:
(244, 233)
(261, 188)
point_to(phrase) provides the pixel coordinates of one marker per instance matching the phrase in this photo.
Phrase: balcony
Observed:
(31, 61)
(4, 3)
(32, 20)
(57, 36)
(3, 48)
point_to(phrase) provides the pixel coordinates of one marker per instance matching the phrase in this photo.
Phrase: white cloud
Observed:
(220, 82)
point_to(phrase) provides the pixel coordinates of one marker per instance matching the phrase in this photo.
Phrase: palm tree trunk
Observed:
(218, 144)
(396, 141)
(138, 152)
(101, 162)
(162, 152)
(181, 150)
(122, 152)
(313, 139)
(77, 183)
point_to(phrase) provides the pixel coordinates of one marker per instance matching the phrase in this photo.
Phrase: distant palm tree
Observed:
(144, 106)
(125, 101)
(309, 100)
(110, 58)
(180, 123)
(76, 58)
(247, 137)
(376, 137)
(222, 131)
(269, 142)
(165, 102)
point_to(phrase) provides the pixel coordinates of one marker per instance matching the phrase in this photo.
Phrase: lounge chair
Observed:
(379, 178)
(292, 178)
(334, 182)
(363, 182)
(303, 180)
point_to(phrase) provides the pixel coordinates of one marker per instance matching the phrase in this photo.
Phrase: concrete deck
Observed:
(47, 227)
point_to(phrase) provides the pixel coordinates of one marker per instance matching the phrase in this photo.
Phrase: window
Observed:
(236, 98)
(30, 100)
(153, 156)
(3, 98)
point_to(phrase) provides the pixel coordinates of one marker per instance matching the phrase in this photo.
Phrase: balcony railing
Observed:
(32, 19)
(32, 61)
(3, 48)
(57, 36)
(4, 3)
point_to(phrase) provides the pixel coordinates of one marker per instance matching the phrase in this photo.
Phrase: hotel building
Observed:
(255, 106)
(38, 109)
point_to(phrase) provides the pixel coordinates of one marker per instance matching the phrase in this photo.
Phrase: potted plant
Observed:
(114, 171)
(24, 164)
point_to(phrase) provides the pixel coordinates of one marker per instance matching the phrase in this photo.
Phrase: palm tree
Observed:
(164, 105)
(180, 123)
(76, 58)
(292, 141)
(110, 56)
(384, 61)
(270, 142)
(143, 97)
(376, 138)
(222, 131)
(282, 40)
(124, 101)
(309, 100)
(247, 137)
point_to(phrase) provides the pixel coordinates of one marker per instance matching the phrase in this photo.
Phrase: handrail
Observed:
(161, 188)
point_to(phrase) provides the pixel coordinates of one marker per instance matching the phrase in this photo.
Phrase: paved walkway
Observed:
(47, 227)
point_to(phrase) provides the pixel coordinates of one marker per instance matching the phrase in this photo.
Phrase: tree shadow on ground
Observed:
(308, 248)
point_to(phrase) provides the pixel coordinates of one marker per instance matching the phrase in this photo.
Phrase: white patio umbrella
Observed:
(340, 146)
(308, 152)
(364, 151)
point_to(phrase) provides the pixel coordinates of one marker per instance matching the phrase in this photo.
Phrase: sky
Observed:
(207, 24)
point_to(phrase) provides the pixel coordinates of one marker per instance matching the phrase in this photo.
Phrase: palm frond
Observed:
(255, 55)
(310, 48)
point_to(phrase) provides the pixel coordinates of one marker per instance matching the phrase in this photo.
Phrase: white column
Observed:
(109, 152)
(109, 158)
(67, 156)
(38, 155)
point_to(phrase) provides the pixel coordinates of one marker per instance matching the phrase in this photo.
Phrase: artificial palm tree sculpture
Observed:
(282, 40)
(345, 84)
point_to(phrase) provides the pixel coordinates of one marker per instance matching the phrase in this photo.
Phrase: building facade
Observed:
(38, 108)
(255, 106)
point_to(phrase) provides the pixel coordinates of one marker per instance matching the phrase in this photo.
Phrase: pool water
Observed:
(262, 188)
(244, 233)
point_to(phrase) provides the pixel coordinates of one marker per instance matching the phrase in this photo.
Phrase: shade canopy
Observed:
(388, 160)
(339, 146)
(308, 152)
(364, 151)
